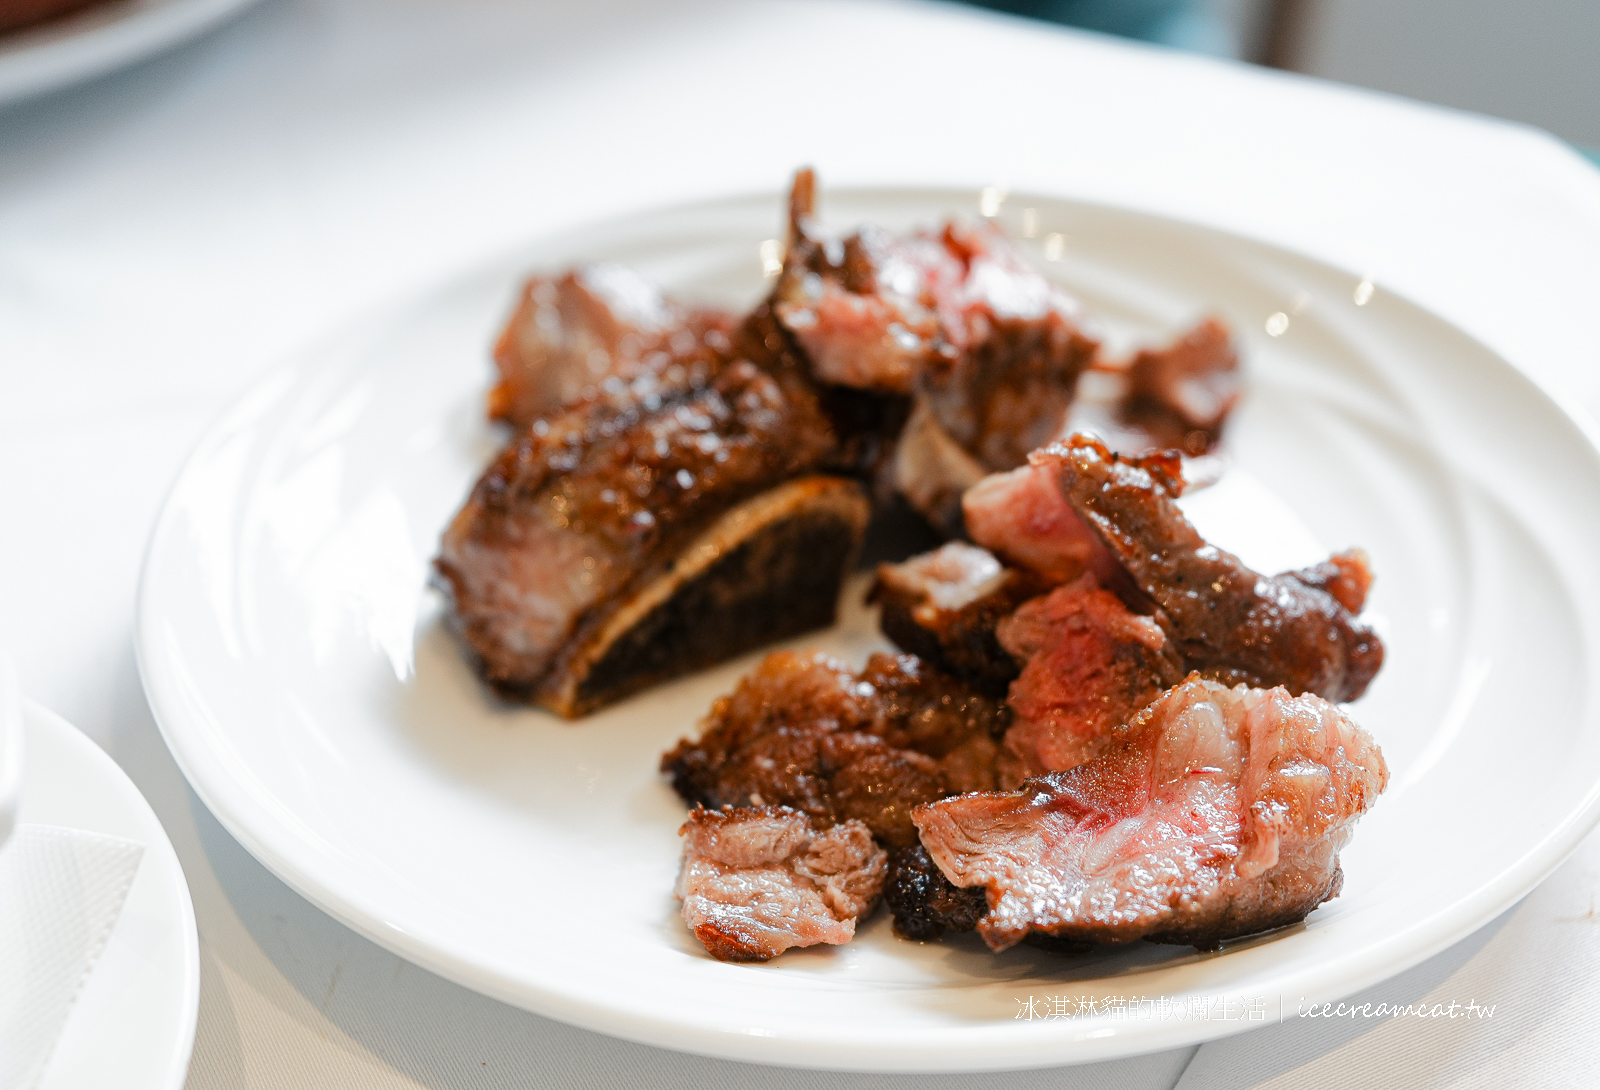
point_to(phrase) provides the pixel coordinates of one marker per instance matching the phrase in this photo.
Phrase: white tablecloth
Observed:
(168, 232)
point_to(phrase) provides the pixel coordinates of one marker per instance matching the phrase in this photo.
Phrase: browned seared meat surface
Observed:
(805, 731)
(1022, 517)
(989, 350)
(1181, 395)
(1219, 812)
(1020, 350)
(570, 333)
(1226, 620)
(756, 882)
(865, 310)
(582, 507)
(943, 607)
(1091, 666)
(769, 568)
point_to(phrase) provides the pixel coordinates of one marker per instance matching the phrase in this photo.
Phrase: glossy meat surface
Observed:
(1022, 517)
(944, 607)
(1229, 622)
(1090, 666)
(758, 881)
(806, 731)
(1219, 812)
(582, 506)
(988, 350)
(572, 333)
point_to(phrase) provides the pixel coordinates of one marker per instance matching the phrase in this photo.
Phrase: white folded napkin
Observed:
(61, 891)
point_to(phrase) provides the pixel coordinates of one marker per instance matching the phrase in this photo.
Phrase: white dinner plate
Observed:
(132, 1026)
(300, 674)
(100, 39)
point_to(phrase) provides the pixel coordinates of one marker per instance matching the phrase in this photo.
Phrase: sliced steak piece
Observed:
(1181, 395)
(1218, 813)
(1022, 518)
(988, 350)
(805, 731)
(943, 607)
(757, 881)
(571, 333)
(1020, 348)
(583, 511)
(1226, 620)
(1091, 666)
(864, 309)
(932, 471)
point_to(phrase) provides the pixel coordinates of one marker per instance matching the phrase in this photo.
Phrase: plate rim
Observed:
(61, 56)
(1090, 1044)
(158, 847)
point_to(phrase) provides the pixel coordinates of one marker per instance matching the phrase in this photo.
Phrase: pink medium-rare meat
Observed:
(806, 731)
(571, 333)
(1227, 621)
(864, 310)
(1090, 666)
(943, 607)
(988, 350)
(1020, 350)
(757, 881)
(874, 309)
(1219, 812)
(579, 507)
(1023, 517)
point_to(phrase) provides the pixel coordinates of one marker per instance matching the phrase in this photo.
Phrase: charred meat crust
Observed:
(927, 905)
(1229, 622)
(578, 512)
(807, 732)
(769, 569)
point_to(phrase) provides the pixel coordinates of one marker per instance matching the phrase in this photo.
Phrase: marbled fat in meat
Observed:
(1219, 812)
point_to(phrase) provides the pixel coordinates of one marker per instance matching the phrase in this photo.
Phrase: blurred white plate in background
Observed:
(132, 1026)
(100, 39)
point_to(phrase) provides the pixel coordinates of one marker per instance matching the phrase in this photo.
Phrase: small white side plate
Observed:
(132, 1026)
